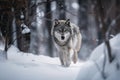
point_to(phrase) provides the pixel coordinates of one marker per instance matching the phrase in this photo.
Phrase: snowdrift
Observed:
(93, 68)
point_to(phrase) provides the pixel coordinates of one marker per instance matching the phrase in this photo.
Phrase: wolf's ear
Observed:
(56, 21)
(67, 22)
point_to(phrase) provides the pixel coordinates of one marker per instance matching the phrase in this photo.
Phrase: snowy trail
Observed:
(23, 66)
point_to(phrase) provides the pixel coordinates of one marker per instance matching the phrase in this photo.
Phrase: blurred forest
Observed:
(27, 23)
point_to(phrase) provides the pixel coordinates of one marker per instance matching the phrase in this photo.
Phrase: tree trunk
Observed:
(19, 35)
(61, 8)
(49, 26)
(110, 57)
(104, 29)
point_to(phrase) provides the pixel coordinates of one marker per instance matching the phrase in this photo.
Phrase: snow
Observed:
(113, 23)
(22, 16)
(25, 29)
(99, 51)
(94, 66)
(53, 6)
(2, 45)
(26, 66)
(75, 5)
(40, 13)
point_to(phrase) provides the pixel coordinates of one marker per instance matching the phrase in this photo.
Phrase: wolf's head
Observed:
(62, 31)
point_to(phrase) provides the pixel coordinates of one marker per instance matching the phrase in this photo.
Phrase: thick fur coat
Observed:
(67, 39)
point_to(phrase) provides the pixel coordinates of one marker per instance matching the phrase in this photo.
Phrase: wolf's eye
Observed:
(65, 30)
(59, 30)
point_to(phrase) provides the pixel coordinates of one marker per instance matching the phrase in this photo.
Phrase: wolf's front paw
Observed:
(67, 64)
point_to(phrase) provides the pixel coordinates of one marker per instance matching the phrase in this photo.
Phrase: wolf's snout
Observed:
(62, 37)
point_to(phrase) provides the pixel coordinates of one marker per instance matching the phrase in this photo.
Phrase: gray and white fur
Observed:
(67, 39)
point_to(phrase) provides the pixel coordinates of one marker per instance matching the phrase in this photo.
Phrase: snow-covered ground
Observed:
(26, 66)
(93, 68)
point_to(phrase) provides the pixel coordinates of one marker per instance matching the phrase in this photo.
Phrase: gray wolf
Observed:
(67, 39)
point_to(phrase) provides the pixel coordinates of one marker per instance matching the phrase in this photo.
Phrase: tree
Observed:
(61, 8)
(10, 22)
(49, 26)
(105, 23)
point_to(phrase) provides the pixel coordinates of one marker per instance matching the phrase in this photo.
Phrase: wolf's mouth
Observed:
(62, 37)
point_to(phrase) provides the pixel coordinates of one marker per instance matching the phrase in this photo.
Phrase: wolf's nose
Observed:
(62, 37)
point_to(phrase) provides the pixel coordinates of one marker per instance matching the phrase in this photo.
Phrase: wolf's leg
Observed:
(71, 53)
(61, 58)
(75, 56)
(69, 56)
(68, 61)
(65, 59)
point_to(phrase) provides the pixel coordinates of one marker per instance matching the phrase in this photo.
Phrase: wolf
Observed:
(67, 39)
